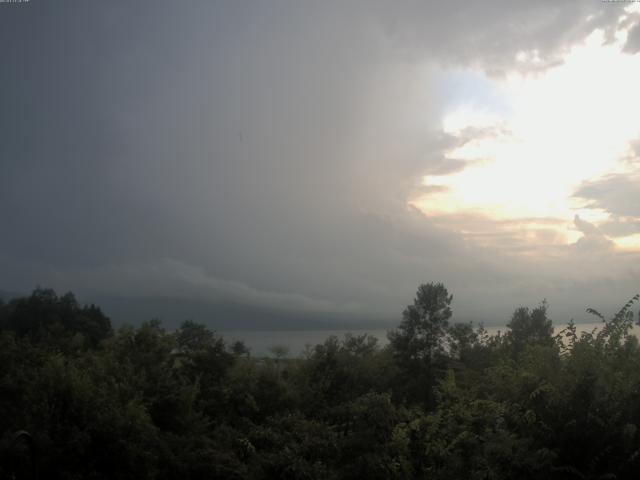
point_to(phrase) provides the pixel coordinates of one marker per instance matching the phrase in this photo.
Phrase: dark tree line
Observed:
(443, 400)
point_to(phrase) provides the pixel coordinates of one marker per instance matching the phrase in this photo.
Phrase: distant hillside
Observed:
(6, 295)
(225, 315)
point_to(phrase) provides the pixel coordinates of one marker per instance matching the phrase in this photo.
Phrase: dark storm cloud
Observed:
(255, 153)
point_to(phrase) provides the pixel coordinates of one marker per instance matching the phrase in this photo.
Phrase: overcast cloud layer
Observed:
(264, 154)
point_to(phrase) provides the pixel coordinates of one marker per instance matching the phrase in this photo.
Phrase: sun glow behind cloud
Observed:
(564, 126)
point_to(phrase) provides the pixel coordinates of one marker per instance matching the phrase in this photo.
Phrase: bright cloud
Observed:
(565, 126)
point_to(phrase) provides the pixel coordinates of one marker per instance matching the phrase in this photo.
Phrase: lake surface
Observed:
(259, 342)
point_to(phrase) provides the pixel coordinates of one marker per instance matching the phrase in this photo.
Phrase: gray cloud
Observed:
(633, 39)
(436, 159)
(490, 34)
(620, 226)
(267, 149)
(592, 237)
(586, 228)
(617, 194)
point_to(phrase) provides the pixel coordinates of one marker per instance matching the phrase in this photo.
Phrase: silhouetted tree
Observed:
(419, 338)
(530, 327)
(43, 315)
(438, 402)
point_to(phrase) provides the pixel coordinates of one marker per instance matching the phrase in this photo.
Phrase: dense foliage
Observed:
(441, 401)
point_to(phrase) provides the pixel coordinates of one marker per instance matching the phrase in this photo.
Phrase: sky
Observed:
(256, 164)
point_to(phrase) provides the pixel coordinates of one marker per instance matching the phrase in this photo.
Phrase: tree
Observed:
(423, 325)
(279, 351)
(530, 327)
(240, 349)
(462, 338)
(420, 336)
(45, 315)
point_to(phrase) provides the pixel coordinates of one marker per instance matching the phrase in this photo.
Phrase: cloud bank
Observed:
(270, 155)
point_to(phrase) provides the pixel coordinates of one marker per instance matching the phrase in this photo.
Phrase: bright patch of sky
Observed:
(467, 90)
(531, 140)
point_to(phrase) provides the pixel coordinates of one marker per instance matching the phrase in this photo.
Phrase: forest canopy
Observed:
(443, 400)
